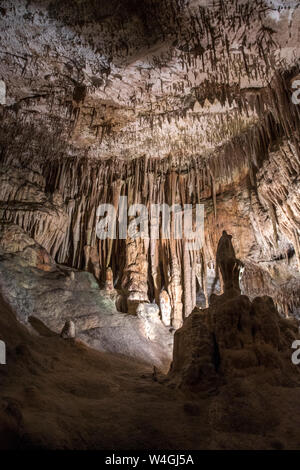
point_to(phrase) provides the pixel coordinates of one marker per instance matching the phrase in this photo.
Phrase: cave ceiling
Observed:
(126, 79)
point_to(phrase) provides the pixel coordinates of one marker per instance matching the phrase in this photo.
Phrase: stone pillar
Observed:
(135, 275)
(165, 308)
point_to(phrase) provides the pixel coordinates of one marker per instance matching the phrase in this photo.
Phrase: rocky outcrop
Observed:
(69, 330)
(233, 339)
(238, 353)
(263, 218)
(71, 387)
(37, 288)
(197, 109)
(24, 201)
(135, 276)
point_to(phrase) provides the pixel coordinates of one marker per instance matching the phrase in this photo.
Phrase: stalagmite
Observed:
(68, 331)
(222, 130)
(187, 289)
(165, 308)
(144, 110)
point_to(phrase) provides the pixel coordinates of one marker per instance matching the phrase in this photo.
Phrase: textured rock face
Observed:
(24, 201)
(132, 78)
(185, 102)
(263, 220)
(238, 353)
(13, 240)
(234, 338)
(175, 102)
(116, 401)
(40, 290)
(69, 330)
(165, 307)
(135, 276)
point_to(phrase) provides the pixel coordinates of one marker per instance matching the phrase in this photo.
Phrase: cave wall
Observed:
(178, 102)
(250, 187)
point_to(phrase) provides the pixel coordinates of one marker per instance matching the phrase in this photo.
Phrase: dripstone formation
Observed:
(172, 102)
(235, 341)
(176, 104)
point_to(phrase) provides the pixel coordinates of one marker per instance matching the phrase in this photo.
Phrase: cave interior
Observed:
(138, 342)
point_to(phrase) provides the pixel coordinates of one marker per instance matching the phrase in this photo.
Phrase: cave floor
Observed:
(59, 394)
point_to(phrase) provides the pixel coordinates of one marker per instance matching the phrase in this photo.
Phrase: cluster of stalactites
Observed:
(142, 271)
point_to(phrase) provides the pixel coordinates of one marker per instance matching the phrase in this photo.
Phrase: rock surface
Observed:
(165, 308)
(235, 339)
(137, 77)
(187, 103)
(174, 102)
(69, 330)
(37, 288)
(239, 353)
(57, 394)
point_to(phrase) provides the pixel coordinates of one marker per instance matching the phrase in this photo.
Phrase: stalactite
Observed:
(67, 229)
(187, 281)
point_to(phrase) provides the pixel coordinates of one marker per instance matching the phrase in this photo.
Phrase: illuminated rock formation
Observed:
(191, 103)
(69, 330)
(234, 341)
(176, 103)
(40, 290)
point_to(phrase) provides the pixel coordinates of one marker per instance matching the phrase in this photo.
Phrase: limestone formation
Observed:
(202, 118)
(69, 330)
(228, 264)
(164, 104)
(151, 322)
(165, 308)
(36, 287)
(149, 312)
(135, 276)
(109, 282)
(234, 338)
(230, 142)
